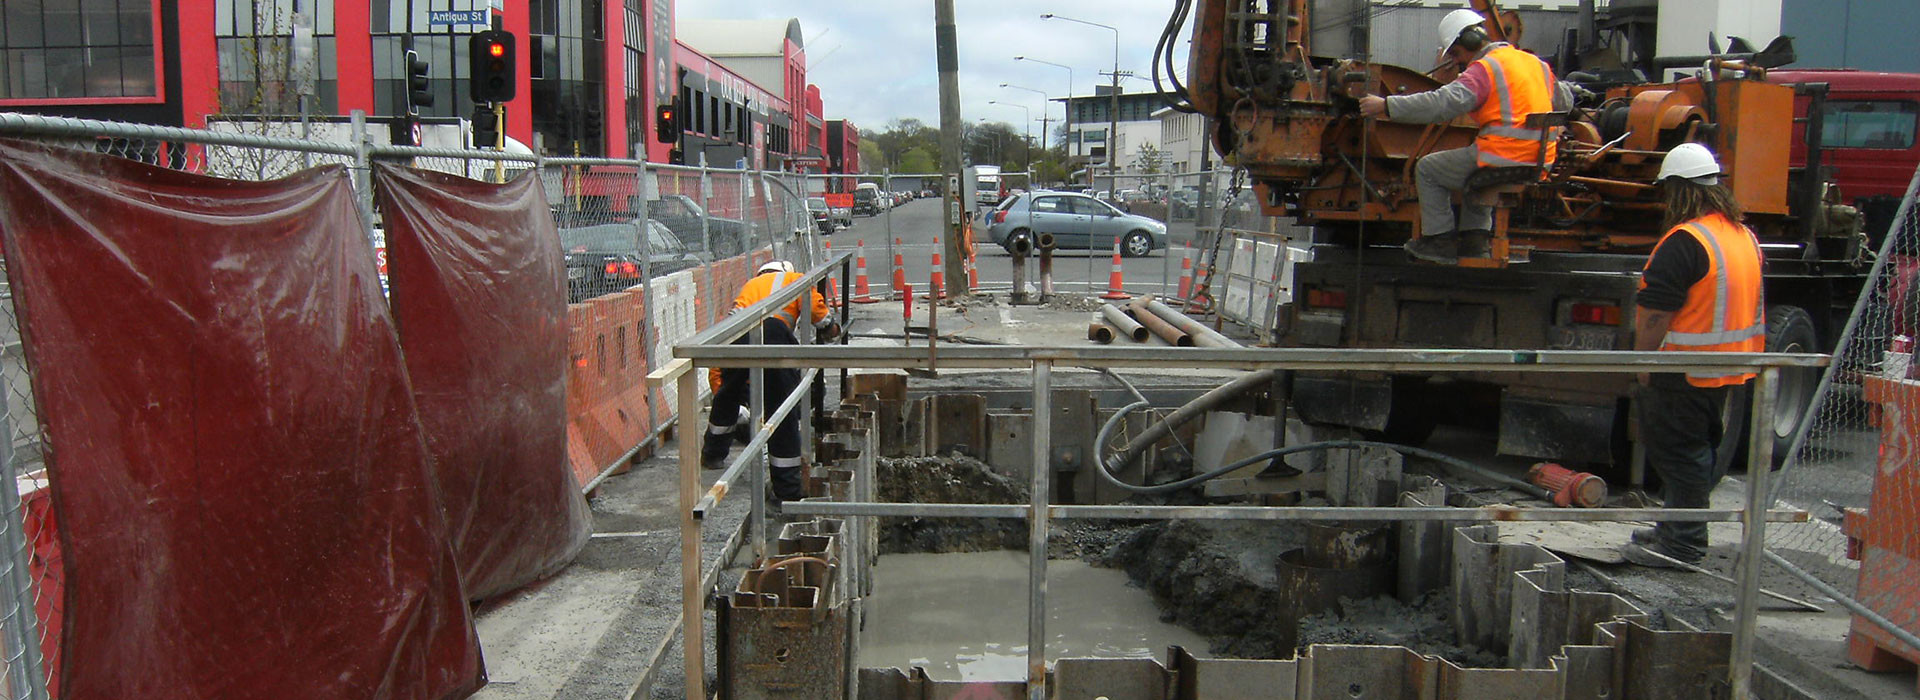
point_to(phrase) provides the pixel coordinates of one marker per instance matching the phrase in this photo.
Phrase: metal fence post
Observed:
(362, 172)
(645, 225)
(26, 673)
(757, 478)
(693, 628)
(1037, 530)
(1753, 530)
(886, 181)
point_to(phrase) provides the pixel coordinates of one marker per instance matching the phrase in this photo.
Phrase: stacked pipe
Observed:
(1176, 328)
(1020, 247)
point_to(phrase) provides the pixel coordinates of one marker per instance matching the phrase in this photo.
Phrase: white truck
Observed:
(982, 185)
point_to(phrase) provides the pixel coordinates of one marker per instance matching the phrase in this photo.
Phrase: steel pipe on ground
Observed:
(1099, 332)
(1160, 327)
(1123, 323)
(1202, 335)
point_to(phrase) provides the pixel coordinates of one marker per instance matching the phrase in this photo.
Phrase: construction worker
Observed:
(730, 386)
(1700, 292)
(1500, 86)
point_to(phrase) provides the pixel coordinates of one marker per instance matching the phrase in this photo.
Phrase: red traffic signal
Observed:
(490, 66)
(666, 123)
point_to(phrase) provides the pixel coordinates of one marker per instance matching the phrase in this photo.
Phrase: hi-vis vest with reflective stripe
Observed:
(1725, 310)
(1522, 85)
(764, 285)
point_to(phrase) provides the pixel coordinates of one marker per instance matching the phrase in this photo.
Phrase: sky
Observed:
(874, 59)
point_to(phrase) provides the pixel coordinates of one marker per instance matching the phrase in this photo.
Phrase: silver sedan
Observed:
(1077, 222)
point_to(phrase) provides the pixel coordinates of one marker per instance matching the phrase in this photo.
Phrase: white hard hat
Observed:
(1455, 22)
(775, 266)
(1691, 161)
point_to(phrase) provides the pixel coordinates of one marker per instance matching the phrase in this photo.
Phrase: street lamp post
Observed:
(1027, 150)
(1113, 116)
(1045, 102)
(1071, 137)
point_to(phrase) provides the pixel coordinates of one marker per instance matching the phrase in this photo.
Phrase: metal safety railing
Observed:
(713, 349)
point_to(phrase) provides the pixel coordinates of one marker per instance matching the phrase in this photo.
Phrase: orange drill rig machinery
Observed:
(1291, 120)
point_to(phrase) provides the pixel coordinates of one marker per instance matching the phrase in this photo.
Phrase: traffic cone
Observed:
(1114, 282)
(1186, 272)
(899, 266)
(833, 286)
(938, 284)
(862, 294)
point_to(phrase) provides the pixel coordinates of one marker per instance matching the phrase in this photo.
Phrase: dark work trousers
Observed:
(1681, 426)
(784, 447)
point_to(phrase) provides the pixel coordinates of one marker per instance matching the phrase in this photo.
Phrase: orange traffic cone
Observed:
(938, 284)
(1186, 272)
(862, 294)
(833, 286)
(899, 267)
(1114, 282)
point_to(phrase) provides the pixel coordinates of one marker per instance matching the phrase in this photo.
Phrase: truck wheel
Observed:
(1789, 329)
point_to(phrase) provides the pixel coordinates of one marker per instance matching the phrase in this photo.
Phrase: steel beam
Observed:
(1481, 514)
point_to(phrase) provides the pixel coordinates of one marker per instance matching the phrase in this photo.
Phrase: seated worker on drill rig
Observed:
(1500, 87)
(730, 386)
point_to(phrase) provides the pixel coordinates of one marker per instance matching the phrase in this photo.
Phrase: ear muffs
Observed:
(1472, 38)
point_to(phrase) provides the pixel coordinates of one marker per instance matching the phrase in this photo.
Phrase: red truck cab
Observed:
(1869, 135)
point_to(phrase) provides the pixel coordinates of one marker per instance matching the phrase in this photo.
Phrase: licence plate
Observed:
(576, 273)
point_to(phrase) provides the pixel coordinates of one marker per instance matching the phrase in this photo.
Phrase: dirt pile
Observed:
(953, 478)
(1218, 578)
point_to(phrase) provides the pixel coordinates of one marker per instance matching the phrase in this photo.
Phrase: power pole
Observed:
(947, 50)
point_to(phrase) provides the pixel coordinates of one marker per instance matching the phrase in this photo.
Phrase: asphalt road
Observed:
(915, 224)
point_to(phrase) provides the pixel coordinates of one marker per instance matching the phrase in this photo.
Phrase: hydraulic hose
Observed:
(1106, 432)
(1193, 409)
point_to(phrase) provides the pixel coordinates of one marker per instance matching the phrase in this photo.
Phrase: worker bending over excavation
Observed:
(1700, 292)
(1500, 86)
(730, 386)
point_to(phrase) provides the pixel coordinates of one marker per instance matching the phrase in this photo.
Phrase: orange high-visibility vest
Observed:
(1522, 85)
(1725, 311)
(763, 286)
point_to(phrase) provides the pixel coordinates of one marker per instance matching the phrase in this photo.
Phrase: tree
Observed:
(870, 155)
(1149, 159)
(917, 160)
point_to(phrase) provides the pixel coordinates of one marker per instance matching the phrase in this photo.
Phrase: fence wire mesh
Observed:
(705, 230)
(1852, 464)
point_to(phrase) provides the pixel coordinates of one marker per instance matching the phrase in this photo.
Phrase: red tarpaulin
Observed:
(242, 488)
(479, 291)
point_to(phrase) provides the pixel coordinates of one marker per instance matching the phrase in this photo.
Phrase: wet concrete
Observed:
(964, 616)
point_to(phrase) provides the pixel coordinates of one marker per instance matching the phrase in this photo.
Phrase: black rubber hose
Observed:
(1106, 432)
(1193, 409)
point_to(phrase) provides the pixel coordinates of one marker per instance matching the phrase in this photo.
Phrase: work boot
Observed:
(741, 434)
(714, 449)
(1475, 243)
(787, 483)
(1442, 248)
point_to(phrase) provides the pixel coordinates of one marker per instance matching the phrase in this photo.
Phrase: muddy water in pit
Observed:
(964, 616)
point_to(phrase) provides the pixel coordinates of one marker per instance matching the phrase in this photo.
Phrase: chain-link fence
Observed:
(704, 231)
(1854, 463)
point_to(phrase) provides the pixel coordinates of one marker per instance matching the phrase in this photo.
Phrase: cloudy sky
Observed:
(874, 60)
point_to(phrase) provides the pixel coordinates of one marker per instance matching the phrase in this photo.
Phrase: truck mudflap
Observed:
(1547, 428)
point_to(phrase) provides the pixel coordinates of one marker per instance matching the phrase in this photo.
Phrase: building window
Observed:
(259, 71)
(66, 49)
(1094, 135)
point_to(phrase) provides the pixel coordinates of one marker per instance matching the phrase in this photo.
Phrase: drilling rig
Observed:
(1569, 236)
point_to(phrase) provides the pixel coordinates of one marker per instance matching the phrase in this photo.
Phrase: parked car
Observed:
(842, 216)
(724, 237)
(822, 214)
(606, 258)
(1077, 222)
(866, 200)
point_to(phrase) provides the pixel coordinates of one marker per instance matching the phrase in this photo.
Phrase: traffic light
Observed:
(486, 128)
(666, 123)
(419, 91)
(491, 56)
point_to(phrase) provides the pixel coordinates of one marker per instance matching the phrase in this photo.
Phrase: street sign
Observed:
(444, 18)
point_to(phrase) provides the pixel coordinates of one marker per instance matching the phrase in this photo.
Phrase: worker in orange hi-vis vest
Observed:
(730, 386)
(1499, 87)
(1700, 292)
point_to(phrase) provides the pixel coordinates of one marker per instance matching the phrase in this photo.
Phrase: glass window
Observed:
(1870, 124)
(1051, 205)
(1084, 205)
(76, 49)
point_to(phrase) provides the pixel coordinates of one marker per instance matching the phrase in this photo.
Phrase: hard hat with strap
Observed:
(1456, 22)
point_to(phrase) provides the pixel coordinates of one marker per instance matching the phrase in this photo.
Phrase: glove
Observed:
(829, 333)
